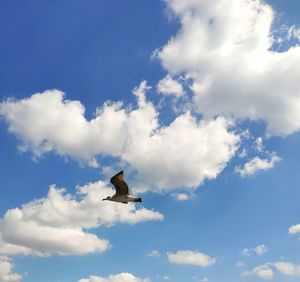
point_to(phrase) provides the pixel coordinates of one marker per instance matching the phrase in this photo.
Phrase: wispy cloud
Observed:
(259, 250)
(182, 196)
(293, 33)
(169, 86)
(257, 164)
(154, 253)
(258, 144)
(262, 271)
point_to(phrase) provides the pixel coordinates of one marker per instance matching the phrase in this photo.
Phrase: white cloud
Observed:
(288, 268)
(265, 271)
(294, 229)
(243, 153)
(200, 152)
(246, 252)
(293, 33)
(46, 122)
(182, 196)
(229, 58)
(168, 86)
(121, 277)
(191, 257)
(259, 250)
(57, 224)
(262, 271)
(256, 164)
(184, 153)
(154, 253)
(6, 274)
(258, 144)
(246, 135)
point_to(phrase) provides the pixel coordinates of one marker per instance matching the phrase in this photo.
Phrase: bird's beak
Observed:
(104, 199)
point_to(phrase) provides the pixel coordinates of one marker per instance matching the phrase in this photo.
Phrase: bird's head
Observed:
(107, 198)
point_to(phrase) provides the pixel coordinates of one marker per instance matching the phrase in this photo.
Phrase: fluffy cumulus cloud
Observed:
(266, 272)
(288, 268)
(124, 277)
(58, 223)
(231, 63)
(46, 122)
(256, 164)
(183, 153)
(259, 250)
(6, 274)
(294, 229)
(191, 257)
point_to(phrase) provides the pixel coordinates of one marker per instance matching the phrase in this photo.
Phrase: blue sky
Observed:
(197, 101)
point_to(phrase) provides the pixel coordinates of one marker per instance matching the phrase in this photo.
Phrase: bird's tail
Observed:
(138, 200)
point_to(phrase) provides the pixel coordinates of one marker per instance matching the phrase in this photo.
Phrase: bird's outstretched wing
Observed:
(119, 183)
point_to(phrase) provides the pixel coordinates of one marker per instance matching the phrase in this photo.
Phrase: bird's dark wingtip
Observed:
(116, 175)
(121, 172)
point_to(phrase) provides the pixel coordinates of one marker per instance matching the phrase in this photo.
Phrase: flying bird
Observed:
(122, 192)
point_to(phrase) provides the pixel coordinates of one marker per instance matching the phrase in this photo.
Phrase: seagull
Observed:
(122, 192)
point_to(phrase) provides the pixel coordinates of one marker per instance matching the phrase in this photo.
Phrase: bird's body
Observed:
(123, 199)
(122, 191)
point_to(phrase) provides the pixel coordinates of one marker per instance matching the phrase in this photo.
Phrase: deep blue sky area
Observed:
(95, 51)
(288, 10)
(92, 52)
